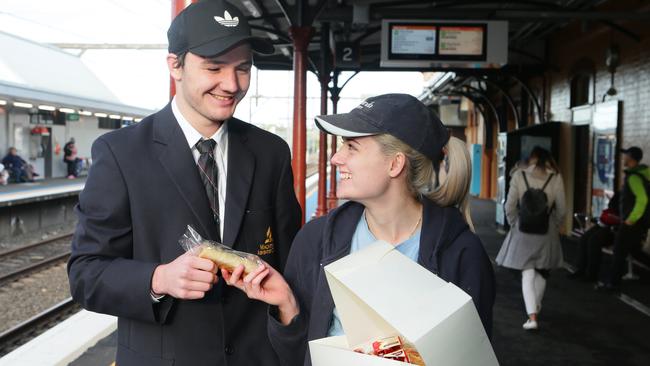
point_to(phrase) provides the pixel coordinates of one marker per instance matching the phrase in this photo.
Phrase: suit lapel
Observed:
(176, 158)
(241, 165)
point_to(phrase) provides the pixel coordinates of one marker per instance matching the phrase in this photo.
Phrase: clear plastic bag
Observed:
(225, 257)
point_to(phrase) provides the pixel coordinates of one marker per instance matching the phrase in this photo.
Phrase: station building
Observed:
(41, 108)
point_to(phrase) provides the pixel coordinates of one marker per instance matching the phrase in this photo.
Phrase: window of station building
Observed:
(109, 123)
(582, 76)
(580, 90)
(42, 118)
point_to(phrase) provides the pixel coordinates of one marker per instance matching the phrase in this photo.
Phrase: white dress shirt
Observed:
(220, 155)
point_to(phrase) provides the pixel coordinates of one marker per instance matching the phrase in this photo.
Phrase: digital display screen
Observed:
(437, 41)
(413, 39)
(461, 40)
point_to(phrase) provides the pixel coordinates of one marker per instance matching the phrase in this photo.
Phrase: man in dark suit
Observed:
(192, 163)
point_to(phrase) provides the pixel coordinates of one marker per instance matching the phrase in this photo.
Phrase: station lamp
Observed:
(23, 105)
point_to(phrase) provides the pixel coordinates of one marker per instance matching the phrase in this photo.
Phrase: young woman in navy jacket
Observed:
(407, 183)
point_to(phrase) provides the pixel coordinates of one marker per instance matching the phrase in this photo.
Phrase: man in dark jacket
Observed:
(191, 163)
(635, 213)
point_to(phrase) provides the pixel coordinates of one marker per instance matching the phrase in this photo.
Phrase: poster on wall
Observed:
(603, 186)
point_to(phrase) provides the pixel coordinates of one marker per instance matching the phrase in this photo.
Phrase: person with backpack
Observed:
(535, 209)
(635, 213)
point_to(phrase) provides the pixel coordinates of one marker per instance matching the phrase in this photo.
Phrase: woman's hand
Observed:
(267, 285)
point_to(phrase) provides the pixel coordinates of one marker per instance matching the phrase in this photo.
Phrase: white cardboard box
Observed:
(379, 292)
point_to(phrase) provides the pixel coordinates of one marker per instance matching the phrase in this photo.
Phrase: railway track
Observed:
(18, 262)
(25, 331)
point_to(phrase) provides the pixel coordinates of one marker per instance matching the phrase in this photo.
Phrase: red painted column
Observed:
(300, 37)
(177, 7)
(332, 200)
(322, 152)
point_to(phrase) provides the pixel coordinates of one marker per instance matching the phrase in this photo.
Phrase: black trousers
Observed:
(73, 166)
(628, 241)
(591, 244)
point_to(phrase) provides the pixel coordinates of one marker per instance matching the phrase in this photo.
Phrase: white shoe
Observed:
(530, 325)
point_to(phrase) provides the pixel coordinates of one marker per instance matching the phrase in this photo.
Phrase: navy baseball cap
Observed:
(399, 115)
(634, 152)
(212, 27)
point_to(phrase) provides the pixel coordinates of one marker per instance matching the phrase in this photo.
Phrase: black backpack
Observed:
(533, 209)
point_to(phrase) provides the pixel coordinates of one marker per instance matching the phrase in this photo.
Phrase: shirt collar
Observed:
(192, 135)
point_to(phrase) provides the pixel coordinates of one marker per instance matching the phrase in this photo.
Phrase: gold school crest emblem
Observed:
(268, 247)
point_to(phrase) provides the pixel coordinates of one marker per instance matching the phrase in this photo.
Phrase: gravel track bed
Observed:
(28, 296)
(31, 256)
(11, 242)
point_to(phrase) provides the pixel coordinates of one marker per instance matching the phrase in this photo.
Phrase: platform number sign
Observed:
(347, 55)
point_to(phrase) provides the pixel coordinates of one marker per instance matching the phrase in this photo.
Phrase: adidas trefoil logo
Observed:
(227, 20)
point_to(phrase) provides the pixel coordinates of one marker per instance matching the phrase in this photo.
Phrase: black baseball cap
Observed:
(212, 27)
(634, 152)
(399, 115)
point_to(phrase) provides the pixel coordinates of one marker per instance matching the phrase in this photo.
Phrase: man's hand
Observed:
(187, 277)
(629, 223)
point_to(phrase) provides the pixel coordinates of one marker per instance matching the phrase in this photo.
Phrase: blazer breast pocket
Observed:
(258, 233)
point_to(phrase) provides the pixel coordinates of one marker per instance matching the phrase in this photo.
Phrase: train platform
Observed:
(578, 325)
(40, 190)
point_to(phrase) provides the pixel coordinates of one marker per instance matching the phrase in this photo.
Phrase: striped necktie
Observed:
(210, 177)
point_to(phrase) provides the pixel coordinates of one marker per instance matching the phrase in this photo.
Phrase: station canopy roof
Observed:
(530, 23)
(34, 72)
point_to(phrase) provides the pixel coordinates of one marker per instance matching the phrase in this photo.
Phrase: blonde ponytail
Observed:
(454, 178)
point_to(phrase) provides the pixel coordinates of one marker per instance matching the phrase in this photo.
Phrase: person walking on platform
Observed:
(407, 183)
(193, 164)
(635, 213)
(535, 208)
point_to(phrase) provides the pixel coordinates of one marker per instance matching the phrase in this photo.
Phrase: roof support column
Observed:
(332, 200)
(322, 152)
(300, 37)
(324, 79)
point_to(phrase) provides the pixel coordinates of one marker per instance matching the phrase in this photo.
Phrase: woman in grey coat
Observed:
(534, 254)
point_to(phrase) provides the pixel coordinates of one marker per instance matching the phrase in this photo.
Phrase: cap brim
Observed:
(221, 45)
(345, 125)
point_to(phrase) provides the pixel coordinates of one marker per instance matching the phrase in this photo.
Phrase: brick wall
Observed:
(632, 78)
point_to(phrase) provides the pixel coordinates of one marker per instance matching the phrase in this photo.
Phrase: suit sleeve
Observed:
(476, 278)
(288, 215)
(103, 276)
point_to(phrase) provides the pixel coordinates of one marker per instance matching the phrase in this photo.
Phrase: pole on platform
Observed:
(332, 200)
(324, 78)
(300, 37)
(177, 7)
